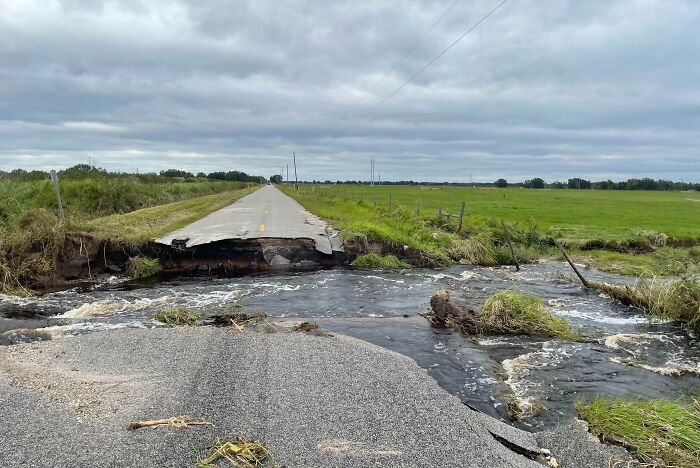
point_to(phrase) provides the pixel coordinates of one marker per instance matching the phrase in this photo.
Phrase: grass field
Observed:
(567, 214)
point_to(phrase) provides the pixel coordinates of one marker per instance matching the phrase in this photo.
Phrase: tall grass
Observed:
(671, 299)
(101, 195)
(655, 429)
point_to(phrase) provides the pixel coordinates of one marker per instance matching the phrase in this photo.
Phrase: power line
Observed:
(409, 50)
(425, 67)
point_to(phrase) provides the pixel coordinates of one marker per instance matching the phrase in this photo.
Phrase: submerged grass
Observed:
(656, 430)
(141, 267)
(373, 260)
(178, 316)
(670, 299)
(515, 313)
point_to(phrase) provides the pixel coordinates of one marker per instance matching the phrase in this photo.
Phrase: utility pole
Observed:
(287, 179)
(296, 181)
(380, 178)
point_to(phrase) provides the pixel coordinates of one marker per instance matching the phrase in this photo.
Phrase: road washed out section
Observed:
(261, 230)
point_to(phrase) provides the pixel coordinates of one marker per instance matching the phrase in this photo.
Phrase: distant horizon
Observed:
(322, 180)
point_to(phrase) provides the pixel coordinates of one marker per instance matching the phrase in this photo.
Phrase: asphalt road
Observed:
(315, 401)
(265, 213)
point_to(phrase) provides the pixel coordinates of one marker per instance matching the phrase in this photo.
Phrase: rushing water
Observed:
(632, 356)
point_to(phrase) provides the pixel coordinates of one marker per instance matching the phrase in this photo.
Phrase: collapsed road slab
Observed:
(264, 214)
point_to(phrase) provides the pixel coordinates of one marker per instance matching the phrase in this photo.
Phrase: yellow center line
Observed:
(262, 228)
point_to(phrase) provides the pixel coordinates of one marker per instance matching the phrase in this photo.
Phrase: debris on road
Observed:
(242, 453)
(177, 421)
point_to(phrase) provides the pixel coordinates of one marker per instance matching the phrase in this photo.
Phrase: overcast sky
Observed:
(549, 88)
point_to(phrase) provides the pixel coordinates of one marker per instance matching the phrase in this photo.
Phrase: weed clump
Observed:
(141, 267)
(672, 299)
(656, 430)
(373, 260)
(178, 316)
(521, 314)
(504, 313)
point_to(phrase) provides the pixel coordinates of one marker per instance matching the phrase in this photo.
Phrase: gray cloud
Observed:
(546, 88)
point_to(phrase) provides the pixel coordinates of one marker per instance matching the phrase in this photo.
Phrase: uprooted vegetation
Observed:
(504, 313)
(660, 432)
(142, 267)
(240, 451)
(677, 300)
(178, 316)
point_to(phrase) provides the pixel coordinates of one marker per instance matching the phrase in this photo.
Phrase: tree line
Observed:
(82, 171)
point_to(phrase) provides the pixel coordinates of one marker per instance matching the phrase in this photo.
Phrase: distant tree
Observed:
(502, 183)
(534, 183)
(176, 173)
(201, 175)
(578, 183)
(276, 179)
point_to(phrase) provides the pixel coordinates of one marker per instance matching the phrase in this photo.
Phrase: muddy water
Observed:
(631, 357)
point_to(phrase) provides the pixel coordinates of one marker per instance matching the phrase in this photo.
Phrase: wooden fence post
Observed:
(510, 243)
(54, 179)
(578, 273)
(418, 210)
(461, 215)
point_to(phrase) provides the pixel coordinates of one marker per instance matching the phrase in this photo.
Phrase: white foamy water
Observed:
(529, 392)
(82, 327)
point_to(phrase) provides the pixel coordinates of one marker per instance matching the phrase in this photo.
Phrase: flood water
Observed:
(631, 357)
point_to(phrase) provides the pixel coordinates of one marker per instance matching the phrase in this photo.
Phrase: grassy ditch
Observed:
(504, 313)
(677, 300)
(424, 241)
(31, 245)
(660, 432)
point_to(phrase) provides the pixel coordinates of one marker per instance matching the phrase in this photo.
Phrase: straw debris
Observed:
(241, 453)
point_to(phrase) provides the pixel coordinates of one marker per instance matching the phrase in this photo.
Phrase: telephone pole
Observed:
(296, 181)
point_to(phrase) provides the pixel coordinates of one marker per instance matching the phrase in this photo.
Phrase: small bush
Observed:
(654, 429)
(510, 312)
(141, 267)
(178, 316)
(373, 260)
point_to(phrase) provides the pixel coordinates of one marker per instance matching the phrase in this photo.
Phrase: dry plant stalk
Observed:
(177, 421)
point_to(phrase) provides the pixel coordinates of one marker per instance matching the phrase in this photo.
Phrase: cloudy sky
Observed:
(550, 88)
